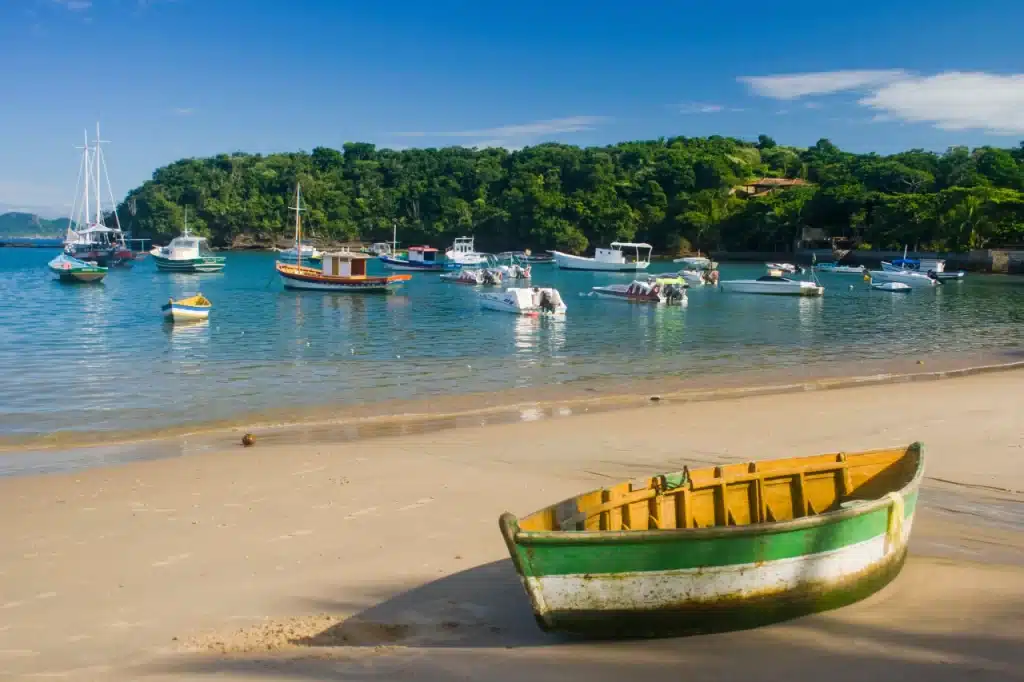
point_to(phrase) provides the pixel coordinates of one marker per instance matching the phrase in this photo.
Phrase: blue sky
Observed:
(175, 78)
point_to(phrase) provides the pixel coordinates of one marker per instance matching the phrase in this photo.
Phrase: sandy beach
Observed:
(380, 559)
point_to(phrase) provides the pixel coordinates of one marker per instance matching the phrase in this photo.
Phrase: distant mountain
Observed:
(30, 225)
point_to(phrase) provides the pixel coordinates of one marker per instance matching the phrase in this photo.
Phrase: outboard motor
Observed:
(546, 303)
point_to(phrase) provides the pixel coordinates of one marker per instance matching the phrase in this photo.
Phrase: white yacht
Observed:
(620, 257)
(462, 253)
(918, 280)
(773, 284)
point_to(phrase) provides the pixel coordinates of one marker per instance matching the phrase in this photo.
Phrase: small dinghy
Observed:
(720, 547)
(532, 301)
(71, 269)
(893, 287)
(187, 309)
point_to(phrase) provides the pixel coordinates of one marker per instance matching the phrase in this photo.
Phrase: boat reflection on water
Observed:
(188, 337)
(809, 312)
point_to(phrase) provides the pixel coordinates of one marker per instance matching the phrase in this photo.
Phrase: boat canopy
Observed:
(631, 245)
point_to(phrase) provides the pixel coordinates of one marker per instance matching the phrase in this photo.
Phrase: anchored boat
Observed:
(917, 280)
(463, 253)
(187, 309)
(892, 287)
(187, 253)
(532, 301)
(719, 548)
(473, 276)
(70, 269)
(651, 291)
(417, 259)
(773, 283)
(614, 259)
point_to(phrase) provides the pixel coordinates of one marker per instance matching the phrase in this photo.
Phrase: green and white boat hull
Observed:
(695, 580)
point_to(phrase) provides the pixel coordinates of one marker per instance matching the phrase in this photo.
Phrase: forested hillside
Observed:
(676, 193)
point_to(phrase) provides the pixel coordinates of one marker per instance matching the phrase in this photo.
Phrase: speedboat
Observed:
(773, 284)
(917, 280)
(893, 287)
(639, 291)
(935, 267)
(612, 259)
(784, 267)
(462, 253)
(516, 268)
(698, 278)
(837, 269)
(696, 263)
(532, 301)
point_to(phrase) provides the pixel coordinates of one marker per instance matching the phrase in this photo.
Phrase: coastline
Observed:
(70, 450)
(381, 559)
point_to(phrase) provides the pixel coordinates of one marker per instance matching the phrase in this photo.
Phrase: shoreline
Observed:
(348, 423)
(70, 450)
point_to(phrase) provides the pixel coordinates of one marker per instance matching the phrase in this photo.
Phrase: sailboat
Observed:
(87, 239)
(343, 271)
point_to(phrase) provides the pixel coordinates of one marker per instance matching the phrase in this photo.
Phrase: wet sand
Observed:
(380, 559)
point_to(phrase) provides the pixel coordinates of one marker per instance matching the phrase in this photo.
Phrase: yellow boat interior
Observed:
(197, 301)
(735, 494)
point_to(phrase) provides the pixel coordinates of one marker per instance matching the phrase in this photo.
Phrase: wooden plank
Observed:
(612, 518)
(636, 515)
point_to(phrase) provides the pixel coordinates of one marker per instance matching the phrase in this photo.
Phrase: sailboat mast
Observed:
(298, 224)
(394, 238)
(88, 171)
(99, 217)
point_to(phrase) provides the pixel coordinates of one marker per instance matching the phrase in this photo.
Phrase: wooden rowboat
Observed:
(719, 548)
(187, 309)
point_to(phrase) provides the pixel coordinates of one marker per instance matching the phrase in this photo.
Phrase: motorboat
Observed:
(773, 284)
(698, 278)
(417, 259)
(640, 291)
(620, 257)
(893, 287)
(462, 253)
(187, 253)
(309, 253)
(532, 301)
(934, 266)
(188, 309)
(474, 276)
(917, 280)
(837, 269)
(517, 267)
(784, 267)
(71, 269)
(696, 263)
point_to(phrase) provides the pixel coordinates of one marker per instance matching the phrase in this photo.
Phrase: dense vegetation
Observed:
(676, 193)
(28, 225)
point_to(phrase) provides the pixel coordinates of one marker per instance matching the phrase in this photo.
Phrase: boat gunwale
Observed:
(509, 522)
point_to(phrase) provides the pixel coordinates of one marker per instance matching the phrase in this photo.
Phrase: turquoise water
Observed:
(100, 357)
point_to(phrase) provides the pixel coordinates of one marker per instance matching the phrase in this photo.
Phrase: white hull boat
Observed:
(462, 253)
(840, 269)
(642, 292)
(698, 278)
(784, 267)
(916, 280)
(892, 287)
(533, 301)
(696, 263)
(608, 260)
(773, 285)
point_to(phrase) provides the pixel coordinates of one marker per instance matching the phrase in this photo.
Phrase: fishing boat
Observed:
(71, 269)
(187, 253)
(837, 269)
(917, 280)
(462, 252)
(533, 301)
(773, 284)
(87, 238)
(340, 271)
(892, 287)
(417, 259)
(719, 548)
(473, 276)
(614, 259)
(187, 309)
(640, 291)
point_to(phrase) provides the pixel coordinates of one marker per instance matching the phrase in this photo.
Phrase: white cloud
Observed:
(955, 101)
(796, 85)
(184, 111)
(704, 108)
(812, 105)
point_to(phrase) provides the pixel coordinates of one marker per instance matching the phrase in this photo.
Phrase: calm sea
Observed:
(101, 357)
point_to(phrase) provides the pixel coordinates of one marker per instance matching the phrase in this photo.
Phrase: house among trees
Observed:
(757, 188)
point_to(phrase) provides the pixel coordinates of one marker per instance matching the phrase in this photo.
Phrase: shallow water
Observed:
(100, 357)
